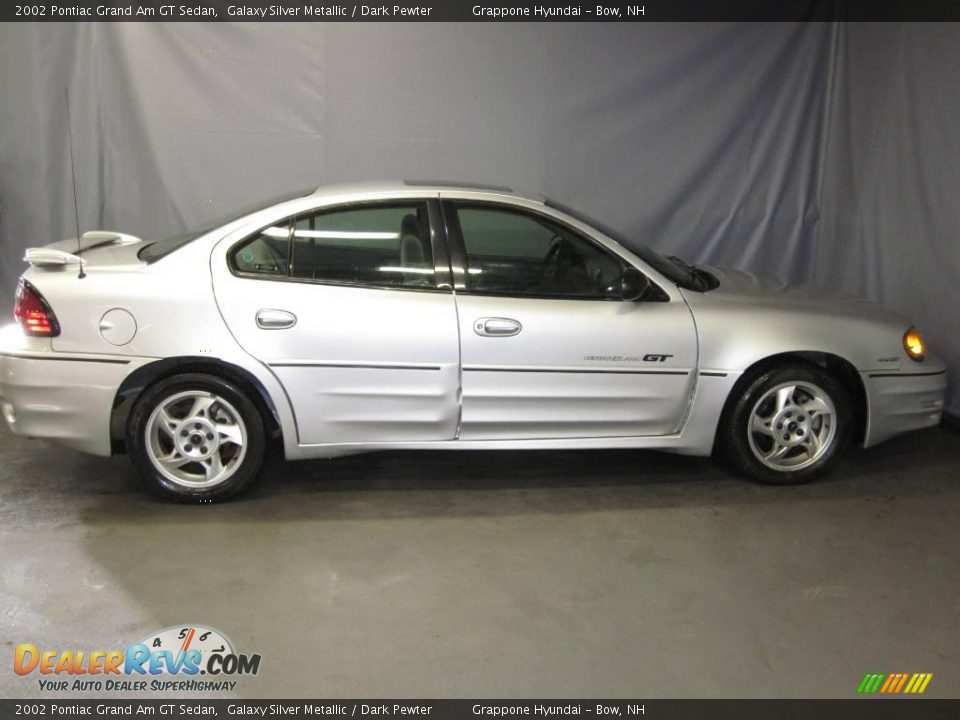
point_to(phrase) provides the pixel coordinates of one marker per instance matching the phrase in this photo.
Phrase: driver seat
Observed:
(413, 252)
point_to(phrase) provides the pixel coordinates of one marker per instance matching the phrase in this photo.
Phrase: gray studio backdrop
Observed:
(822, 153)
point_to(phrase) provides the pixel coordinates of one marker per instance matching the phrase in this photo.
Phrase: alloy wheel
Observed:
(792, 426)
(196, 439)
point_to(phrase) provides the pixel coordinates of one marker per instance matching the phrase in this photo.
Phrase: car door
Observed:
(347, 308)
(549, 348)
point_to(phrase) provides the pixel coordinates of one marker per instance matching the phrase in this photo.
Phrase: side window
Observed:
(266, 253)
(515, 253)
(379, 245)
(369, 245)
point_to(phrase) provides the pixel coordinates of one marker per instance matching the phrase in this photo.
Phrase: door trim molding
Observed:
(355, 366)
(598, 371)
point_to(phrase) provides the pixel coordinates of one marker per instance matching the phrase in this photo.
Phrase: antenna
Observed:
(73, 177)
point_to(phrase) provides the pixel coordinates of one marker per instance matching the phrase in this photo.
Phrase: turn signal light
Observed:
(33, 313)
(914, 345)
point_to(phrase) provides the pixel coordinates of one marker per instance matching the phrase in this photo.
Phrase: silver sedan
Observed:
(437, 316)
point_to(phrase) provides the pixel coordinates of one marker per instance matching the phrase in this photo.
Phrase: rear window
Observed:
(160, 249)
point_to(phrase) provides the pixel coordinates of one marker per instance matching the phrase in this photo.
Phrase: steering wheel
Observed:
(551, 261)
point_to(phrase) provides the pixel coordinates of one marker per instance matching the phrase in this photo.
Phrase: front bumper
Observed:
(62, 397)
(898, 402)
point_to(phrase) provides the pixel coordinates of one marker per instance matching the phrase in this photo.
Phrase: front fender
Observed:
(735, 334)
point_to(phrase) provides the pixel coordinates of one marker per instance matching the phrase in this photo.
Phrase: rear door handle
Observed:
(275, 319)
(496, 327)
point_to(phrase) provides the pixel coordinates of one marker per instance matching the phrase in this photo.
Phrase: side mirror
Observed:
(633, 284)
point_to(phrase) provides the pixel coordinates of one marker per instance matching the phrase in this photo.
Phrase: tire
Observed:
(210, 432)
(786, 425)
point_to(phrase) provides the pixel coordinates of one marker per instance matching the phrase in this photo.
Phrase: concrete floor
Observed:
(617, 574)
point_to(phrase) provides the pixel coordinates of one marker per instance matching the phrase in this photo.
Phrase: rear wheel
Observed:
(788, 425)
(196, 438)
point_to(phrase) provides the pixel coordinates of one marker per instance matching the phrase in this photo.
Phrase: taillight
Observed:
(33, 313)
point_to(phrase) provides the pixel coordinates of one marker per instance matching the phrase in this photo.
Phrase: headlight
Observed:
(914, 345)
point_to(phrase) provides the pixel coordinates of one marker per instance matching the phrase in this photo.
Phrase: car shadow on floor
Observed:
(451, 483)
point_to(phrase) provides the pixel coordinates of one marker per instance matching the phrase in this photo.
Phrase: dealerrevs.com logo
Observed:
(178, 658)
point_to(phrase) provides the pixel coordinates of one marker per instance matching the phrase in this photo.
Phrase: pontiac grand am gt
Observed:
(435, 316)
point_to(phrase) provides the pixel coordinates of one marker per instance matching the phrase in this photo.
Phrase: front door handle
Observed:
(275, 319)
(496, 327)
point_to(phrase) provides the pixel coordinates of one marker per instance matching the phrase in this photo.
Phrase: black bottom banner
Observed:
(853, 709)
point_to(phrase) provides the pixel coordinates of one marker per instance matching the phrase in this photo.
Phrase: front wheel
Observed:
(196, 438)
(788, 425)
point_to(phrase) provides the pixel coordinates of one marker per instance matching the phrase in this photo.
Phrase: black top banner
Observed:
(491, 709)
(477, 11)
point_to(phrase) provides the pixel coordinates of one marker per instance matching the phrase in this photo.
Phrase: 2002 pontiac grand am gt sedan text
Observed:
(437, 316)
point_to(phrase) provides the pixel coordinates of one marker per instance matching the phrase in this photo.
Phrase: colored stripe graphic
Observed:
(891, 681)
(870, 683)
(907, 683)
(918, 683)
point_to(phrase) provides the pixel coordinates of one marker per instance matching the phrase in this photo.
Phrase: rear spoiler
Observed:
(99, 238)
(63, 252)
(47, 257)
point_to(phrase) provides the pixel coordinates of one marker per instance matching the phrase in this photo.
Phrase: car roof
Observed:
(428, 186)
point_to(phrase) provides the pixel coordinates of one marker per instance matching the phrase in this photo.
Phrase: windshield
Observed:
(678, 272)
(160, 249)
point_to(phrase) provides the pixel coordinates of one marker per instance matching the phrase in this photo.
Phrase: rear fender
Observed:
(146, 375)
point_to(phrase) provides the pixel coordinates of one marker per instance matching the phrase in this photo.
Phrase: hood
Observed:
(750, 288)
